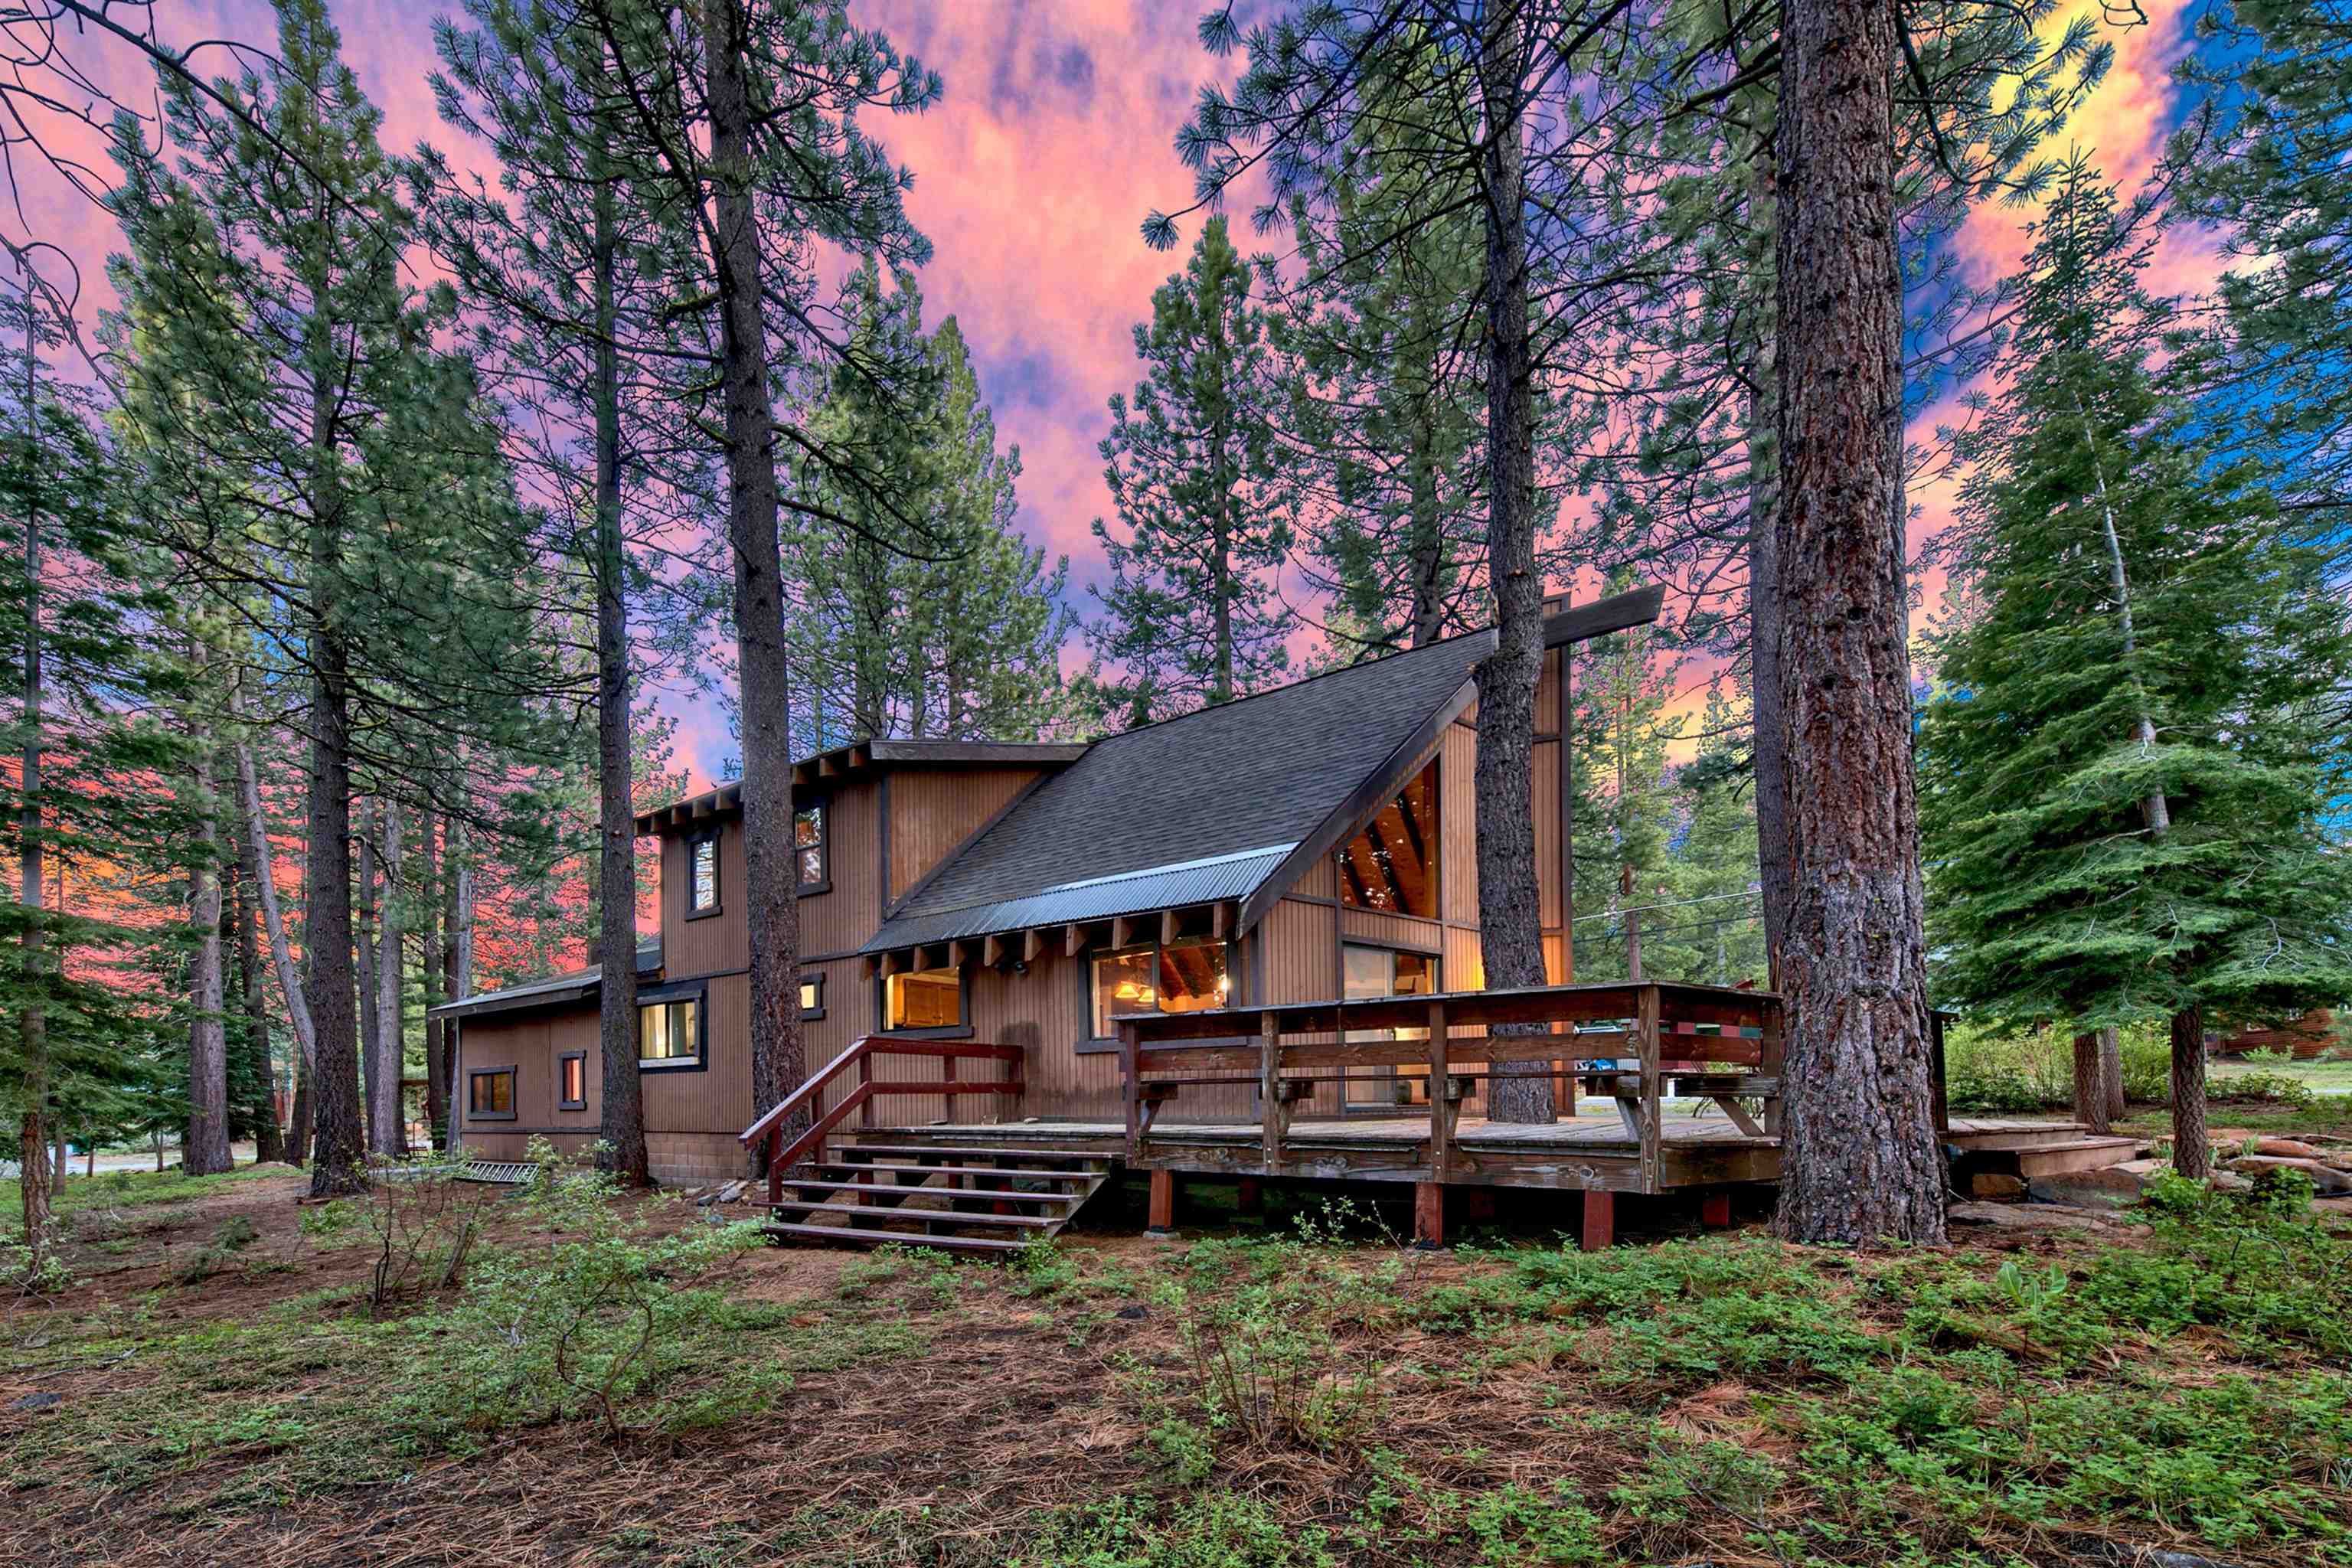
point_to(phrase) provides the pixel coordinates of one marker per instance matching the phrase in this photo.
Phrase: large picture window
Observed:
(924, 999)
(702, 875)
(1180, 977)
(1392, 865)
(808, 842)
(491, 1094)
(1367, 972)
(669, 1032)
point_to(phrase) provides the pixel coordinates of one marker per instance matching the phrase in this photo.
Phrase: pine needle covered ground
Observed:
(216, 1387)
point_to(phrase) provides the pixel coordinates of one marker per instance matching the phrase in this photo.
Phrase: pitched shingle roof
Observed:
(1191, 810)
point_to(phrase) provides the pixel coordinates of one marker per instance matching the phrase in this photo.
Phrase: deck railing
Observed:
(852, 1073)
(1725, 1043)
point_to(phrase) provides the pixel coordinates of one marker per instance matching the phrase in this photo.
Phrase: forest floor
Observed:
(1300, 1390)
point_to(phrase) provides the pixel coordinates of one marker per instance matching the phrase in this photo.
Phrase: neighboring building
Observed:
(1311, 842)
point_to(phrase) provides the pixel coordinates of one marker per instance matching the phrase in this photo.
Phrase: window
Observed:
(669, 1032)
(702, 875)
(812, 995)
(1182, 977)
(491, 1094)
(571, 1081)
(924, 999)
(808, 837)
(1382, 971)
(1392, 865)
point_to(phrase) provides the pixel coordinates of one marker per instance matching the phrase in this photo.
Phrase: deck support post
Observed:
(1714, 1211)
(1133, 1078)
(1429, 1214)
(1653, 1057)
(1600, 1232)
(1163, 1203)
(1273, 1116)
(1248, 1197)
(1444, 1107)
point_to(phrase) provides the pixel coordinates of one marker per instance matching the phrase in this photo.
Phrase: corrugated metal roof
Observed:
(1205, 882)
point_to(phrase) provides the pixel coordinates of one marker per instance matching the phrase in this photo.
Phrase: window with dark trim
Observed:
(922, 1001)
(812, 996)
(1392, 865)
(809, 843)
(1178, 977)
(491, 1094)
(673, 1030)
(571, 1081)
(1367, 971)
(702, 874)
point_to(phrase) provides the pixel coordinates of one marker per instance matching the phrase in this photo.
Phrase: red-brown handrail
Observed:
(770, 1127)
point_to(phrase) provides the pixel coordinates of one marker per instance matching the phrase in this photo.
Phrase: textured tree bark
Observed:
(370, 993)
(1510, 919)
(1859, 1161)
(289, 977)
(428, 966)
(2192, 1156)
(2090, 1085)
(2111, 1071)
(769, 856)
(387, 1114)
(339, 1147)
(1774, 854)
(205, 1150)
(622, 1131)
(33, 1027)
(268, 1138)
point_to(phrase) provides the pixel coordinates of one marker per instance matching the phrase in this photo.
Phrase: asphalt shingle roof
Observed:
(1191, 809)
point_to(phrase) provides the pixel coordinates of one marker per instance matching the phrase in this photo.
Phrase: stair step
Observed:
(842, 1235)
(989, 1170)
(792, 1183)
(2040, 1145)
(944, 1152)
(934, 1217)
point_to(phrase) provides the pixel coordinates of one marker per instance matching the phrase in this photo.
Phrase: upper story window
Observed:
(1392, 865)
(702, 874)
(808, 839)
(1180, 977)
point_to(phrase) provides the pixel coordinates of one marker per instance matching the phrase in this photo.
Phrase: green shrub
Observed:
(598, 1313)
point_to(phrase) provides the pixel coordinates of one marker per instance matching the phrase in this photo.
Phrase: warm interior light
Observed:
(1126, 991)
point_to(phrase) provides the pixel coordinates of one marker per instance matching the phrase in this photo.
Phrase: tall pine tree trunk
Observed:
(1859, 1161)
(34, 1178)
(768, 854)
(1510, 920)
(370, 995)
(1774, 855)
(428, 966)
(2192, 1156)
(387, 1116)
(622, 1126)
(268, 1138)
(2111, 1071)
(2090, 1084)
(339, 1145)
(204, 1152)
(273, 919)
(457, 960)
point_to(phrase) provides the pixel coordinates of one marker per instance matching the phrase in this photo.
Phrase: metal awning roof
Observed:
(1217, 878)
(553, 992)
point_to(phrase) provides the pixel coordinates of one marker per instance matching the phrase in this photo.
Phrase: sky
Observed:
(1032, 175)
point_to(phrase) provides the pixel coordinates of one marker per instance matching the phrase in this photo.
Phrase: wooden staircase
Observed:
(952, 1199)
(968, 1200)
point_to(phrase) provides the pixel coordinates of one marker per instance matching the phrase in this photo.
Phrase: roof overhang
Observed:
(864, 759)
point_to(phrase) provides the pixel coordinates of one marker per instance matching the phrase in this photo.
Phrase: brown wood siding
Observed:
(1389, 930)
(841, 920)
(1457, 811)
(1322, 879)
(1544, 767)
(709, 943)
(933, 810)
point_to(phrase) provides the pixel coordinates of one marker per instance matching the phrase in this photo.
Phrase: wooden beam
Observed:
(1166, 927)
(1220, 920)
(1429, 1214)
(1122, 932)
(1600, 1229)
(1613, 613)
(1442, 1107)
(1273, 1115)
(829, 765)
(992, 950)
(1163, 1202)
(873, 965)
(958, 955)
(1033, 943)
(893, 962)
(1074, 940)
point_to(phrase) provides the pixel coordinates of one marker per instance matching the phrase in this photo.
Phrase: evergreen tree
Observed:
(1625, 810)
(1711, 930)
(2127, 769)
(1193, 613)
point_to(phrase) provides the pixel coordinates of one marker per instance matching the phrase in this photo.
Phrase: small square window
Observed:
(491, 1094)
(926, 999)
(571, 1081)
(812, 995)
(669, 1033)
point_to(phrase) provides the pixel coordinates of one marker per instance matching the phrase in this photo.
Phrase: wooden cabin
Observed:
(1310, 843)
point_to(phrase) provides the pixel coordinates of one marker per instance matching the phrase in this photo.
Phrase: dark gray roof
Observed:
(1191, 810)
(577, 986)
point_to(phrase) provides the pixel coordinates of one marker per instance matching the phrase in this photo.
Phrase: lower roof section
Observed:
(1215, 880)
(557, 991)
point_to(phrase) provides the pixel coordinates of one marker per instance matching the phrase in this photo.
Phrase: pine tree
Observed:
(1712, 932)
(2127, 771)
(1193, 612)
(1623, 806)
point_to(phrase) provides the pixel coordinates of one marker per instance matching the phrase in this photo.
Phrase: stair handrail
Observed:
(770, 1127)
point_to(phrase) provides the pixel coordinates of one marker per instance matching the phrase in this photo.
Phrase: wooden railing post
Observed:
(1442, 1106)
(1130, 1067)
(1652, 1076)
(776, 1163)
(865, 1080)
(1273, 1115)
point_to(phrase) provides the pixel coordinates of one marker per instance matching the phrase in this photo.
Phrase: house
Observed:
(1310, 843)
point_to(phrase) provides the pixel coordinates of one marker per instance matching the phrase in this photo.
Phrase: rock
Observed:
(732, 1192)
(43, 1401)
(2325, 1178)
(2026, 1217)
(1997, 1187)
(2110, 1186)
(1134, 1314)
(2284, 1149)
